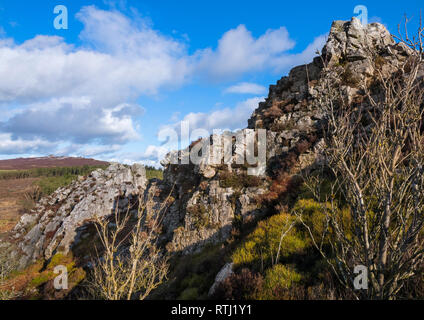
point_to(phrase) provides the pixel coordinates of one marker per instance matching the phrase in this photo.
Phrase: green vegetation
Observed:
(48, 185)
(47, 180)
(281, 276)
(189, 294)
(39, 280)
(238, 181)
(277, 279)
(153, 173)
(192, 276)
(36, 281)
(278, 260)
(259, 250)
(200, 214)
(48, 172)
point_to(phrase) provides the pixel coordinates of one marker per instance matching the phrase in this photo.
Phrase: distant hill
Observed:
(47, 162)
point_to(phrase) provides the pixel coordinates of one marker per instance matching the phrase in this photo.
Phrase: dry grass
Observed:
(12, 195)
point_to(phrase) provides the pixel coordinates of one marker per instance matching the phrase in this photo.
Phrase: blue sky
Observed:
(125, 73)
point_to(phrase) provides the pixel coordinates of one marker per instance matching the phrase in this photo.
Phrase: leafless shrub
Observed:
(35, 194)
(131, 264)
(375, 150)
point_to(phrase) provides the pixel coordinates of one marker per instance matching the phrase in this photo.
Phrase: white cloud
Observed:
(222, 119)
(151, 156)
(246, 88)
(119, 59)
(78, 120)
(239, 52)
(62, 97)
(154, 153)
(227, 118)
(90, 150)
(21, 146)
(86, 94)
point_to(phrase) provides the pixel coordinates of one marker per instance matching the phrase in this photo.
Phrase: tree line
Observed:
(48, 172)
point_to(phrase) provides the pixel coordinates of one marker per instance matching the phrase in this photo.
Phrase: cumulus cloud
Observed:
(21, 146)
(74, 119)
(227, 118)
(61, 97)
(246, 88)
(222, 119)
(86, 94)
(239, 52)
(119, 59)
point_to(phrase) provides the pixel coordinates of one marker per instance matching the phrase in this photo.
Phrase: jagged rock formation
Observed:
(204, 209)
(207, 198)
(291, 115)
(58, 221)
(292, 111)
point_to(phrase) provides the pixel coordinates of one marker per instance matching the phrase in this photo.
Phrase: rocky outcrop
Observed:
(59, 221)
(204, 207)
(206, 216)
(292, 111)
(205, 199)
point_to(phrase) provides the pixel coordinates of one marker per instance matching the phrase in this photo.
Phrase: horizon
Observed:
(123, 74)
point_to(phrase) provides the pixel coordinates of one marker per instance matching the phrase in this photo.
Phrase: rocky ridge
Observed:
(207, 199)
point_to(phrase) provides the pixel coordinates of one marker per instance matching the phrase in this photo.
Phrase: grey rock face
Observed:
(353, 41)
(222, 275)
(208, 216)
(203, 211)
(292, 117)
(292, 112)
(52, 226)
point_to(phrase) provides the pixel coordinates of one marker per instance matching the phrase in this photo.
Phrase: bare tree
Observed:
(130, 264)
(375, 150)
